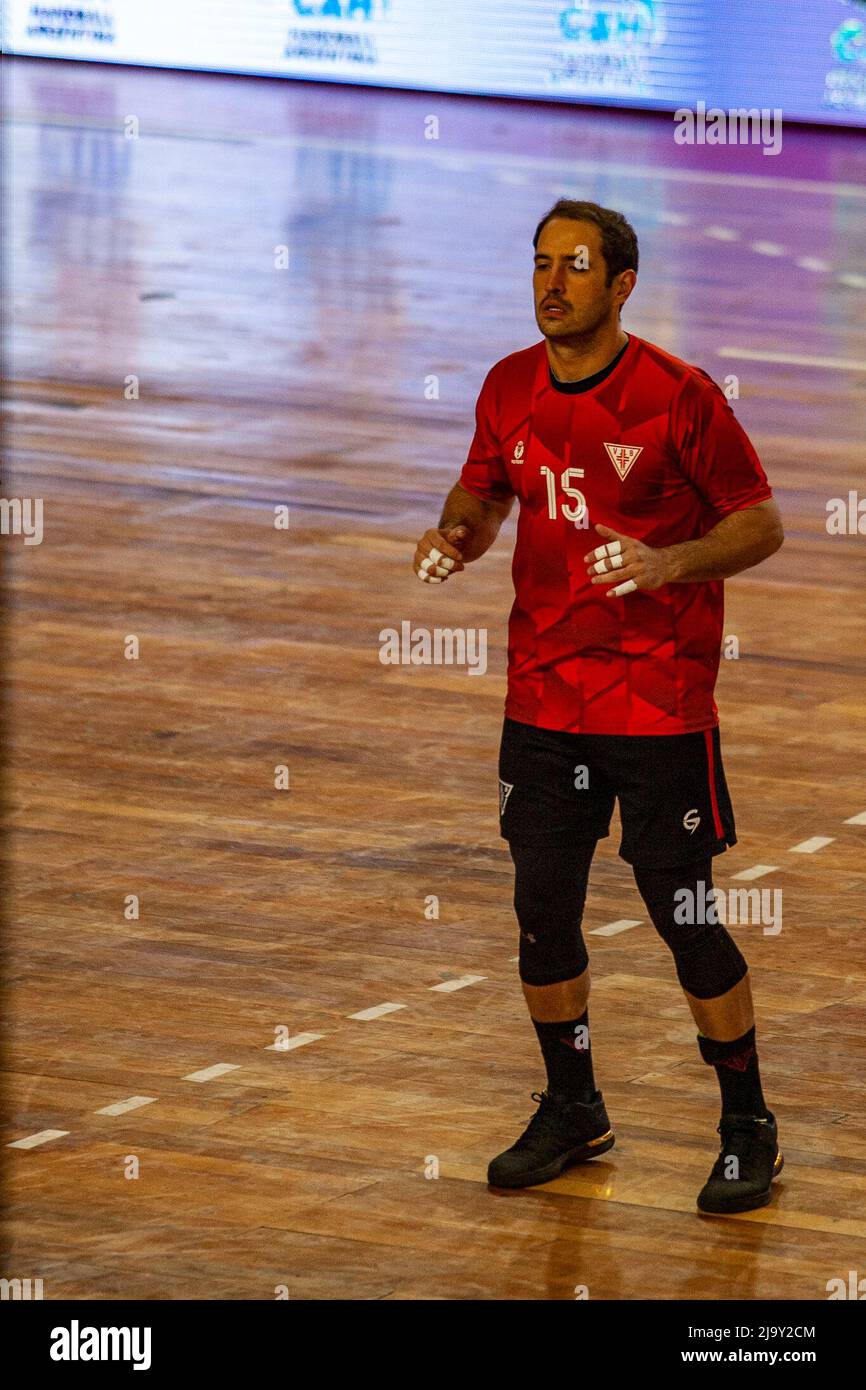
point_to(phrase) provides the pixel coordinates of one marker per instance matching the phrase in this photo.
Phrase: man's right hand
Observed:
(437, 555)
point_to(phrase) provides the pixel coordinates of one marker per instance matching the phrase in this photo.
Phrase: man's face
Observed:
(569, 280)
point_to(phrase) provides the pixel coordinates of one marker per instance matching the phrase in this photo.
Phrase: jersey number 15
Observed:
(576, 514)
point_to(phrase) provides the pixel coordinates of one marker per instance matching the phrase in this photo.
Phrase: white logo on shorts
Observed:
(505, 790)
(691, 820)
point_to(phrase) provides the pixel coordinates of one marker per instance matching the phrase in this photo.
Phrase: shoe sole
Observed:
(747, 1203)
(591, 1149)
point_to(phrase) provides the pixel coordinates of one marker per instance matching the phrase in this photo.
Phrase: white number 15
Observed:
(575, 514)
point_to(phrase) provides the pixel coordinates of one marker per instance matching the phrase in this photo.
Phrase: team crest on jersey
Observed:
(505, 790)
(623, 457)
(517, 456)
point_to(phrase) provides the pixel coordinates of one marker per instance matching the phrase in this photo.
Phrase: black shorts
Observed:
(673, 799)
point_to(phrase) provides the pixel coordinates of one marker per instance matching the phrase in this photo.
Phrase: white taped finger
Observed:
(430, 568)
(627, 588)
(612, 548)
(600, 567)
(616, 562)
(446, 561)
(435, 555)
(427, 578)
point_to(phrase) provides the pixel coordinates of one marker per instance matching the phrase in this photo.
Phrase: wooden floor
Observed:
(265, 909)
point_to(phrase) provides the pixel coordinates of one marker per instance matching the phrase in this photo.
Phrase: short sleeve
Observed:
(484, 472)
(714, 451)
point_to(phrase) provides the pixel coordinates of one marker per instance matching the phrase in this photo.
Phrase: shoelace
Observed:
(735, 1134)
(547, 1114)
(540, 1117)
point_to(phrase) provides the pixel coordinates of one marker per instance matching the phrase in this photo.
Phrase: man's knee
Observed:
(681, 905)
(550, 882)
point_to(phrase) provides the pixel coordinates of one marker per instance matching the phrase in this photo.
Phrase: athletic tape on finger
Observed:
(438, 558)
(627, 588)
(429, 568)
(600, 567)
(612, 548)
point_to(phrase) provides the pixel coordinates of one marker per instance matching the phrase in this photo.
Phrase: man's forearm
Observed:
(481, 519)
(738, 542)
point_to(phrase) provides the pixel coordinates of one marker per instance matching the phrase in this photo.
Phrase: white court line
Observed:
(722, 233)
(450, 985)
(208, 1073)
(794, 359)
(859, 819)
(299, 1040)
(43, 1137)
(769, 248)
(377, 1011)
(812, 846)
(812, 263)
(756, 871)
(614, 928)
(852, 278)
(543, 166)
(120, 1107)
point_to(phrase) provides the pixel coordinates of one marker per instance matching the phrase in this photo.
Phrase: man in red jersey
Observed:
(639, 494)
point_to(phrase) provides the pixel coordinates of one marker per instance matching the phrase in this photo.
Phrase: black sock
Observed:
(736, 1065)
(568, 1057)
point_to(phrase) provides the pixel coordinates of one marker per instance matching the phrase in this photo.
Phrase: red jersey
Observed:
(653, 451)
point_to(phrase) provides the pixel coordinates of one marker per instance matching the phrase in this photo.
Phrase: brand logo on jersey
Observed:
(505, 790)
(691, 820)
(623, 457)
(517, 456)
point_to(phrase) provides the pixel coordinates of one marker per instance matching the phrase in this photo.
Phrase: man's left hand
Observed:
(626, 563)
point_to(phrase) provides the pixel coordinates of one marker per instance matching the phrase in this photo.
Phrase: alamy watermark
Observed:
(22, 516)
(21, 1289)
(714, 906)
(737, 126)
(77, 1343)
(846, 517)
(855, 1287)
(438, 646)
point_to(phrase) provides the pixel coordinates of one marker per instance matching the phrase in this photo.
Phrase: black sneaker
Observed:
(754, 1144)
(561, 1132)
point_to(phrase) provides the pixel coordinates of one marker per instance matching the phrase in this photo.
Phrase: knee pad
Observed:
(679, 900)
(550, 881)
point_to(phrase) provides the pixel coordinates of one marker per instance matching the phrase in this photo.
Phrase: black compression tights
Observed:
(550, 883)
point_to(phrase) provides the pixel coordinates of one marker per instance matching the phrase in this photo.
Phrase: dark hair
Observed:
(618, 240)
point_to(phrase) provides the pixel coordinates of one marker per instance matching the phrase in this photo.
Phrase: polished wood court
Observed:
(308, 385)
